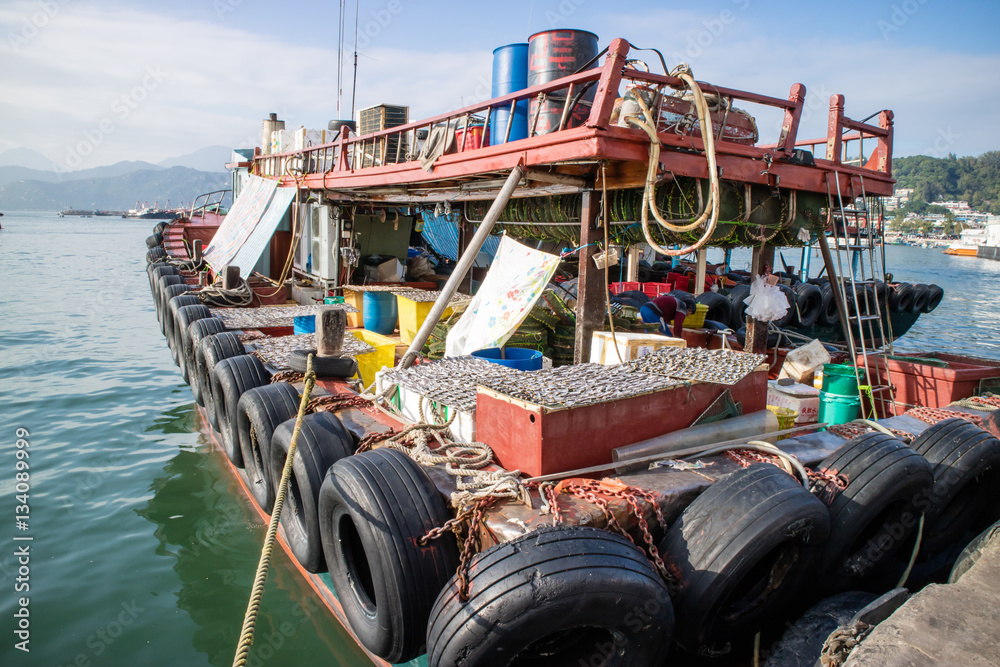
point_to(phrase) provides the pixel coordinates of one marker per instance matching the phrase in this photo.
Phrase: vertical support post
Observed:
(634, 253)
(790, 126)
(330, 326)
(834, 124)
(230, 277)
(591, 290)
(607, 85)
(464, 237)
(699, 277)
(197, 249)
(763, 256)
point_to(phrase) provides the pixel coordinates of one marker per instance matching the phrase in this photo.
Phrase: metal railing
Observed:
(209, 202)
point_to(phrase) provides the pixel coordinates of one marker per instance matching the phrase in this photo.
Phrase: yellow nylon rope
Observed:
(250, 619)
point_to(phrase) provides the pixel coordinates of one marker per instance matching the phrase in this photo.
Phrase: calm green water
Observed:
(144, 548)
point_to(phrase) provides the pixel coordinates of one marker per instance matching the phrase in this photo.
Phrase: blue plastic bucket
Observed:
(380, 312)
(510, 74)
(836, 409)
(520, 358)
(304, 324)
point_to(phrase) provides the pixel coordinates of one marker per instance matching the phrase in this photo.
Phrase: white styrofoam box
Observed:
(799, 397)
(631, 345)
(407, 401)
(304, 138)
(282, 141)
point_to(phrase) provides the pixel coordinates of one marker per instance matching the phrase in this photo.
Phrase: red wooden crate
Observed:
(618, 288)
(929, 386)
(538, 440)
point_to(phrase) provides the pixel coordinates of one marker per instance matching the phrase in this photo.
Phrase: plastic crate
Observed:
(653, 290)
(696, 319)
(618, 288)
(412, 315)
(372, 362)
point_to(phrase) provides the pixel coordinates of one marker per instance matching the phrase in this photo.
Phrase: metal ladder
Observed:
(857, 230)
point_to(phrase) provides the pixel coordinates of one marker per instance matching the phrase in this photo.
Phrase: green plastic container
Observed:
(839, 379)
(836, 409)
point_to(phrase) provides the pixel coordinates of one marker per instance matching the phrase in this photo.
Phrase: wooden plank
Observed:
(591, 288)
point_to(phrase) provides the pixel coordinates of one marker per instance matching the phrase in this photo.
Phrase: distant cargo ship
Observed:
(145, 212)
(89, 213)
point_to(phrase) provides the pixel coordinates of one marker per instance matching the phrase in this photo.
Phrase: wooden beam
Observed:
(756, 342)
(590, 288)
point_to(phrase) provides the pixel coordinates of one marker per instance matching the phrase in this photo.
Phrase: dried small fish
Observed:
(275, 351)
(269, 316)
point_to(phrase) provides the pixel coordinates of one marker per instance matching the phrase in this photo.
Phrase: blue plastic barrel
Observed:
(521, 358)
(380, 312)
(304, 324)
(510, 74)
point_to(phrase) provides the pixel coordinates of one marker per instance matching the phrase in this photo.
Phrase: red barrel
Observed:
(553, 54)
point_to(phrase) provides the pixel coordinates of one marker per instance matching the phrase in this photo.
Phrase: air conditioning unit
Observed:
(325, 243)
(304, 248)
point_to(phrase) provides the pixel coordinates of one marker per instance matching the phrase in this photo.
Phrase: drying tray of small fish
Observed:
(424, 296)
(275, 351)
(451, 381)
(698, 364)
(378, 288)
(579, 385)
(270, 316)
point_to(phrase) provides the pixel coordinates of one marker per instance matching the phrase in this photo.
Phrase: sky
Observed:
(93, 82)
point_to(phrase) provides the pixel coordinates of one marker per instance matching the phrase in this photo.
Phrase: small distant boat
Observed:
(962, 249)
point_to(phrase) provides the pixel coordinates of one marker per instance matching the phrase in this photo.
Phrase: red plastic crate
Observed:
(618, 288)
(679, 280)
(653, 290)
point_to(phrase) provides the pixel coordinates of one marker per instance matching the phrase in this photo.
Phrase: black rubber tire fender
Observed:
(789, 317)
(170, 321)
(920, 297)
(555, 596)
(230, 379)
(719, 307)
(322, 442)
(828, 313)
(183, 319)
(212, 350)
(741, 552)
(873, 517)
(155, 271)
(259, 412)
(737, 316)
(162, 295)
(159, 227)
(808, 301)
(973, 551)
(966, 467)
(199, 329)
(373, 509)
(154, 241)
(902, 294)
(635, 295)
(338, 367)
(935, 295)
(155, 255)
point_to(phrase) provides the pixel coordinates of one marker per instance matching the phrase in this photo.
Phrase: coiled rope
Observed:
(683, 72)
(253, 607)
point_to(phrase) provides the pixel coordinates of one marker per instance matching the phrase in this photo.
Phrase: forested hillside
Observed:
(972, 179)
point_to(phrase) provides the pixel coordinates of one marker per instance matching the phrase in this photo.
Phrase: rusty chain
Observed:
(935, 415)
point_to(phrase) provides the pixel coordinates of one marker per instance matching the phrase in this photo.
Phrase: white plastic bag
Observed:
(766, 302)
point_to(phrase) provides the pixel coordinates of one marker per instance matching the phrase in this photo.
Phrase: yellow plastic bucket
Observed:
(786, 418)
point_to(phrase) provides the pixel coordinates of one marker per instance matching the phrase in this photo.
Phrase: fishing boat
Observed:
(474, 511)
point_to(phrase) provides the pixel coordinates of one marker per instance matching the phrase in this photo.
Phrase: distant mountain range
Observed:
(29, 181)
